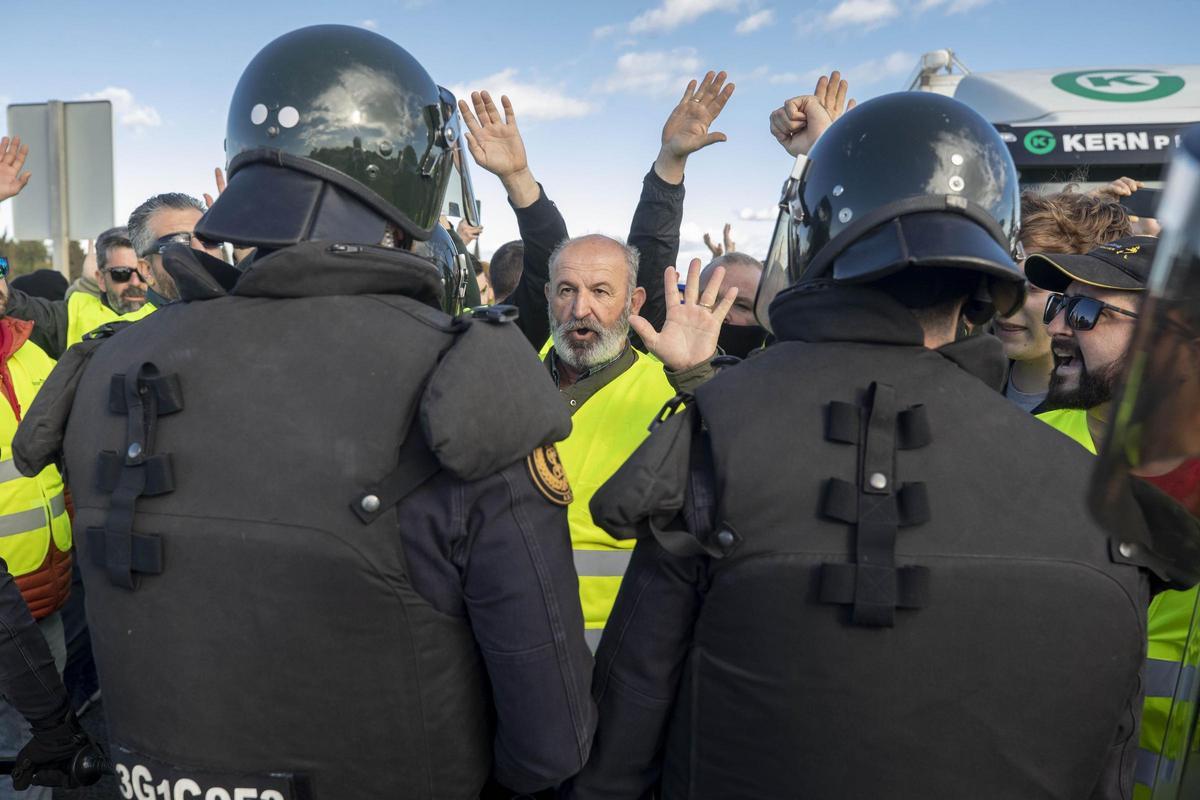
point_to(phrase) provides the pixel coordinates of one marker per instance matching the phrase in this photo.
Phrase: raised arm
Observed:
(655, 227)
(496, 145)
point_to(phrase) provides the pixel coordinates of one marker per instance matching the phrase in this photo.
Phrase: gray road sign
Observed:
(70, 195)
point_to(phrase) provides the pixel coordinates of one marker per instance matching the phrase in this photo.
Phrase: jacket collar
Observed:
(827, 312)
(308, 269)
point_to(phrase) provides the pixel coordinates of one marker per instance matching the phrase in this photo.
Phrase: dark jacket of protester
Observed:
(264, 613)
(784, 630)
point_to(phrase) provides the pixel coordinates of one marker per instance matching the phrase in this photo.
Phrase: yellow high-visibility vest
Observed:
(1170, 619)
(32, 510)
(604, 433)
(85, 313)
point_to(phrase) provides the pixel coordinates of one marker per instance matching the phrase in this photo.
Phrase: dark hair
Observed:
(933, 294)
(139, 220)
(505, 269)
(113, 237)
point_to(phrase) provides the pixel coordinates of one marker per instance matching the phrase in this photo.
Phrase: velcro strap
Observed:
(912, 427)
(879, 453)
(166, 390)
(140, 553)
(670, 409)
(913, 504)
(840, 502)
(160, 477)
(838, 585)
(417, 464)
(843, 422)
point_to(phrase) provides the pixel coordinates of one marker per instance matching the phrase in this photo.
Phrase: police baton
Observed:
(87, 766)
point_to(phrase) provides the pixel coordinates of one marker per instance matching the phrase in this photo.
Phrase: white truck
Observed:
(1083, 126)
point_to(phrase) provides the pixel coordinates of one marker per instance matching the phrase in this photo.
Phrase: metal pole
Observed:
(59, 221)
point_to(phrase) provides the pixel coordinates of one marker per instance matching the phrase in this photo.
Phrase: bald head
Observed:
(592, 292)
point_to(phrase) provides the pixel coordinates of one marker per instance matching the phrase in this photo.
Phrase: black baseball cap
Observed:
(1123, 265)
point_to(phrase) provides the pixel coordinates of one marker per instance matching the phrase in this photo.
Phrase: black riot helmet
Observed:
(334, 132)
(912, 179)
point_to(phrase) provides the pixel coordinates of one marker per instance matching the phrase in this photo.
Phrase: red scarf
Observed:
(13, 334)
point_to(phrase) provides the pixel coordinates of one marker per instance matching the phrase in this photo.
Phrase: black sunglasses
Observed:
(180, 237)
(123, 274)
(1082, 312)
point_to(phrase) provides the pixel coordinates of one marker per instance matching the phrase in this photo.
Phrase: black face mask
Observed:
(741, 340)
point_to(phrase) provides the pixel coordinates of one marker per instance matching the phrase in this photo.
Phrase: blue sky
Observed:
(591, 82)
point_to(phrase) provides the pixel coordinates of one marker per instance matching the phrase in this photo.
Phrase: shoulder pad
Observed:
(39, 437)
(653, 481)
(490, 403)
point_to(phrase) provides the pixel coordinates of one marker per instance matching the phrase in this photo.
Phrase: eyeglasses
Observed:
(180, 237)
(123, 274)
(1082, 312)
(3, 268)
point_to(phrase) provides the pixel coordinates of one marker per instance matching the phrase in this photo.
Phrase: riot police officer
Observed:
(860, 572)
(1155, 430)
(312, 570)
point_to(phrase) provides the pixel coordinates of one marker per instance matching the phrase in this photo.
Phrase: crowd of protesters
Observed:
(612, 318)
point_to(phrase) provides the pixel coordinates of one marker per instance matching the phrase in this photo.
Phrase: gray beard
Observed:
(608, 345)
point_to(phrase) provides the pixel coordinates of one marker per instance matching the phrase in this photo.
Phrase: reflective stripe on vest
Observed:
(1168, 624)
(32, 510)
(605, 431)
(85, 313)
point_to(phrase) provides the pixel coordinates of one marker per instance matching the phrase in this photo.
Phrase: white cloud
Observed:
(951, 6)
(673, 13)
(759, 215)
(756, 21)
(654, 72)
(604, 31)
(864, 74)
(126, 111)
(864, 14)
(370, 24)
(530, 101)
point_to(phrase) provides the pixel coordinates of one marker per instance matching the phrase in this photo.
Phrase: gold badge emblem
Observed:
(548, 475)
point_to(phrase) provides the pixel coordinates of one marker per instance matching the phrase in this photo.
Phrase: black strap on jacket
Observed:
(878, 506)
(141, 396)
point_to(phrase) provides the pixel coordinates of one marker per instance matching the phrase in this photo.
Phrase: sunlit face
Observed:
(126, 296)
(1089, 364)
(1024, 335)
(590, 302)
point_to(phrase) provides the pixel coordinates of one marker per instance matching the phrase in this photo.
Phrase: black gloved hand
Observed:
(48, 759)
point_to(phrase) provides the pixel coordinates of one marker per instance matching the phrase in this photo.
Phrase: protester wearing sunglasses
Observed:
(1091, 316)
(122, 284)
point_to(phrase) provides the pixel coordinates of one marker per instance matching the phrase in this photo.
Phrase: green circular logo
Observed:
(1040, 141)
(1119, 85)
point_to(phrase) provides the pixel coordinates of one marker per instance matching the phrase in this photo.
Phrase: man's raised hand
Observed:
(800, 121)
(497, 146)
(689, 334)
(12, 158)
(718, 250)
(687, 128)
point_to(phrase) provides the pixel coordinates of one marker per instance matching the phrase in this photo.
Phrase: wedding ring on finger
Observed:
(705, 305)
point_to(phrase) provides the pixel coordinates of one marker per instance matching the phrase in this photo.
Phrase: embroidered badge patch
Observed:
(548, 475)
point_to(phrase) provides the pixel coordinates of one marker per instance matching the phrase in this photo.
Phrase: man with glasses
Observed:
(58, 324)
(1091, 316)
(163, 220)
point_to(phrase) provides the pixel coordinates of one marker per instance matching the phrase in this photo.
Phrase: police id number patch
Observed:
(547, 473)
(142, 778)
